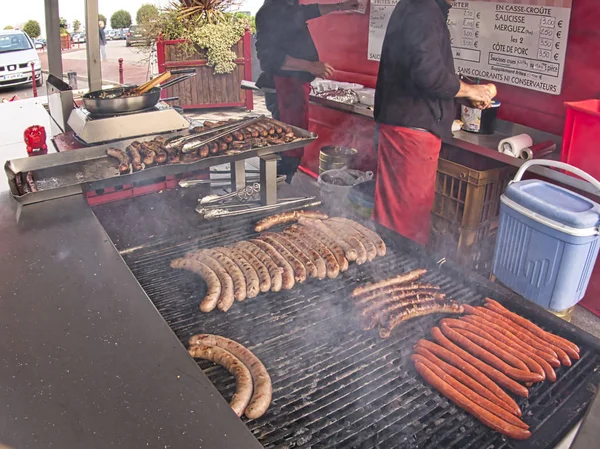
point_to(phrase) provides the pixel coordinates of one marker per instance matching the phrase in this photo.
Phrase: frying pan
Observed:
(94, 103)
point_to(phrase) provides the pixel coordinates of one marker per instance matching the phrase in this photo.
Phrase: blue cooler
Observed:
(548, 240)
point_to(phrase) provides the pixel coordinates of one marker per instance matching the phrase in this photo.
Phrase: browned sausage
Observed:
(313, 255)
(368, 233)
(490, 371)
(288, 273)
(121, 157)
(535, 363)
(330, 244)
(511, 339)
(384, 314)
(473, 408)
(496, 319)
(203, 151)
(571, 349)
(237, 276)
(401, 279)
(286, 217)
(227, 360)
(389, 292)
(274, 271)
(261, 398)
(210, 278)
(290, 246)
(136, 158)
(299, 269)
(469, 392)
(365, 249)
(226, 298)
(395, 299)
(249, 273)
(213, 147)
(472, 371)
(486, 356)
(332, 268)
(264, 278)
(238, 136)
(349, 251)
(465, 379)
(416, 311)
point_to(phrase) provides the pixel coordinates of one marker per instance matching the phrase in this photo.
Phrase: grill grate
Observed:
(335, 385)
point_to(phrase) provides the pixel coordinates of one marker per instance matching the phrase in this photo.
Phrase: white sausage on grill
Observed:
(288, 274)
(331, 263)
(226, 298)
(281, 239)
(212, 281)
(264, 278)
(349, 252)
(274, 270)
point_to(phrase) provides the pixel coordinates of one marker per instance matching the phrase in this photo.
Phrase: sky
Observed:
(14, 13)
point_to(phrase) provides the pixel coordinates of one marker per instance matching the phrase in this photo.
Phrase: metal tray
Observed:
(73, 172)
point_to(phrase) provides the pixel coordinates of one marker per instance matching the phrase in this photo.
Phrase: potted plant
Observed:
(206, 36)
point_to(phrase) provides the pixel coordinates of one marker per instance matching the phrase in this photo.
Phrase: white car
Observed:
(17, 52)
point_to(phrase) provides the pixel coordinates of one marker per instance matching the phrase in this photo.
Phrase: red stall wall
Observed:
(342, 41)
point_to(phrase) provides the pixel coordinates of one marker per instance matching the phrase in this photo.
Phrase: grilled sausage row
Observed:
(275, 261)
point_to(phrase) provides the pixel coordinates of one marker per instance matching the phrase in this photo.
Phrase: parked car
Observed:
(120, 34)
(17, 52)
(39, 44)
(136, 36)
(111, 34)
(78, 38)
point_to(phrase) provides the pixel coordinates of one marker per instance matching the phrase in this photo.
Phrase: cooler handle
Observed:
(593, 181)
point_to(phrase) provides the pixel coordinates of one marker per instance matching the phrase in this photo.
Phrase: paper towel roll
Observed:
(515, 144)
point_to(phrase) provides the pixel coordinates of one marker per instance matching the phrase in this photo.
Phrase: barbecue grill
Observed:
(334, 385)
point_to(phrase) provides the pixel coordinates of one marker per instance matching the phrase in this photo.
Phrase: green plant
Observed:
(76, 26)
(9, 27)
(205, 25)
(120, 19)
(146, 13)
(62, 23)
(32, 28)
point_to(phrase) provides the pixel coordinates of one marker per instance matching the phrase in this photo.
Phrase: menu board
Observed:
(517, 42)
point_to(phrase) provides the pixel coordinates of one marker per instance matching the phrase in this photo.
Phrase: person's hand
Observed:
(481, 95)
(321, 69)
(349, 5)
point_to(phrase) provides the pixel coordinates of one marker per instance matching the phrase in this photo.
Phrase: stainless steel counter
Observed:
(487, 145)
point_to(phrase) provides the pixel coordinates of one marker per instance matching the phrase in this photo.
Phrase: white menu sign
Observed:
(517, 42)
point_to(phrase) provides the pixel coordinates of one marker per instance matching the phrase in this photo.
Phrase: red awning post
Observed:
(121, 77)
(33, 80)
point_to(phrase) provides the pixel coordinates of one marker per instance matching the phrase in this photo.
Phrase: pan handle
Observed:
(170, 99)
(182, 71)
(172, 82)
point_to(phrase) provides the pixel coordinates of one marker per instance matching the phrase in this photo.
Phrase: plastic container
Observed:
(582, 136)
(335, 195)
(548, 239)
(361, 198)
(481, 121)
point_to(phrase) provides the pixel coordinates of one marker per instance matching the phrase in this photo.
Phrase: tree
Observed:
(146, 13)
(76, 26)
(9, 27)
(102, 17)
(120, 19)
(32, 28)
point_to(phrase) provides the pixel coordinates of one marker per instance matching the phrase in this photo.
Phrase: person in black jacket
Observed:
(102, 40)
(290, 61)
(414, 109)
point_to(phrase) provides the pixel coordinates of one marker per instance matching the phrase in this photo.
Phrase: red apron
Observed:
(406, 171)
(292, 99)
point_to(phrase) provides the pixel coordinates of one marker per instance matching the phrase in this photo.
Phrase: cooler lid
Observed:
(554, 203)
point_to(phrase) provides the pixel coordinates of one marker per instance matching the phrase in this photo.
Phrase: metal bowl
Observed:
(95, 104)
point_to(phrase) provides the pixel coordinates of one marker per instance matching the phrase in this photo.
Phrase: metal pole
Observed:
(121, 78)
(53, 38)
(33, 80)
(93, 45)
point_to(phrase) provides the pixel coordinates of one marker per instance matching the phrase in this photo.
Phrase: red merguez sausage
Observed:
(492, 372)
(570, 348)
(488, 357)
(469, 393)
(464, 379)
(512, 338)
(473, 408)
(470, 370)
(491, 344)
(523, 350)
(490, 316)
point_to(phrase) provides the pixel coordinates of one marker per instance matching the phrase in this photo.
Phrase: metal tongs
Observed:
(243, 194)
(184, 183)
(213, 214)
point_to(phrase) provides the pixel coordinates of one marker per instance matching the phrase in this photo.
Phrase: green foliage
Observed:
(32, 28)
(120, 19)
(146, 13)
(62, 23)
(76, 26)
(9, 27)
